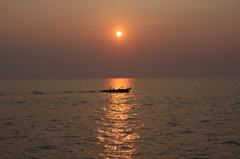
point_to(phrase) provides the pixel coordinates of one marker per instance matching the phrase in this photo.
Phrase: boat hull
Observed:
(117, 90)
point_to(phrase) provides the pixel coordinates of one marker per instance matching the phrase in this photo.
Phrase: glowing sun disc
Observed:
(119, 33)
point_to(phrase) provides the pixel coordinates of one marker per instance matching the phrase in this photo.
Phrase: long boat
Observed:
(120, 90)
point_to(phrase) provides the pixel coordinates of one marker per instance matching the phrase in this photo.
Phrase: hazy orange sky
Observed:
(42, 39)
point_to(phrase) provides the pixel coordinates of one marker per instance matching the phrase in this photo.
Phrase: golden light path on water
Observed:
(118, 123)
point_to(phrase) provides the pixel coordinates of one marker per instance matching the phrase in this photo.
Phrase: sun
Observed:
(119, 33)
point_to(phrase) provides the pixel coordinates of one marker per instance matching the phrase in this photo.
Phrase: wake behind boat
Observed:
(120, 90)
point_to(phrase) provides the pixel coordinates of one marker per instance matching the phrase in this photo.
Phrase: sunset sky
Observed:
(65, 39)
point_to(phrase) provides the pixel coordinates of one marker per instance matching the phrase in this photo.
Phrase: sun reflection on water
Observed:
(118, 124)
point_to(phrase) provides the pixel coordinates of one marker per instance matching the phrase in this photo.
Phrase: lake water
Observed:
(158, 118)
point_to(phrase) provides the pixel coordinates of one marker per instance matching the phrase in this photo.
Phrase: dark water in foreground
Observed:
(159, 118)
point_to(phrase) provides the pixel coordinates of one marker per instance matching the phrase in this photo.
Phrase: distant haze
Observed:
(46, 39)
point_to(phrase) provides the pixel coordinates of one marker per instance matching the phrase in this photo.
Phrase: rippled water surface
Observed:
(158, 118)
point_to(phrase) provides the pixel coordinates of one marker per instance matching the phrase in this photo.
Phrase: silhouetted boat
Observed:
(120, 90)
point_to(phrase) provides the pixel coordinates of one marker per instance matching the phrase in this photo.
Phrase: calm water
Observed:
(159, 118)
